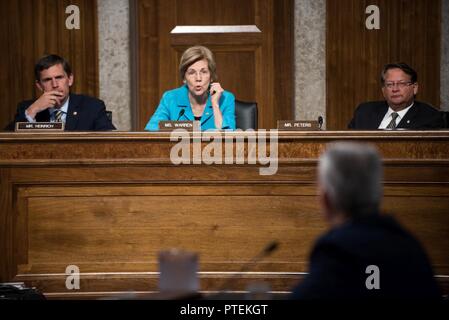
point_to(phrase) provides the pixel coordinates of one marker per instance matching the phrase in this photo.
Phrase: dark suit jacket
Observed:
(83, 114)
(339, 260)
(420, 116)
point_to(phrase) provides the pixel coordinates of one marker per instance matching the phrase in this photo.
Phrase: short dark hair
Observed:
(49, 61)
(399, 65)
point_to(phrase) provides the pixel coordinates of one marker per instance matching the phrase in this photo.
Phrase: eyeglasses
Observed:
(400, 85)
(200, 73)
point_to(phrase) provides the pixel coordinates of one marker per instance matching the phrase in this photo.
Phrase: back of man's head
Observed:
(48, 61)
(350, 175)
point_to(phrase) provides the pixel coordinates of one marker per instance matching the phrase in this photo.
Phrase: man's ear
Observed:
(415, 88)
(71, 80)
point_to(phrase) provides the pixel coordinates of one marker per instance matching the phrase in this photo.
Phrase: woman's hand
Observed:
(215, 93)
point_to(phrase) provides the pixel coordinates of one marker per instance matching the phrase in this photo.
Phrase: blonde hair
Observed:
(194, 54)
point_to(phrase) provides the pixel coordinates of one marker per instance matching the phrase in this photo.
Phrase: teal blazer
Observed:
(173, 101)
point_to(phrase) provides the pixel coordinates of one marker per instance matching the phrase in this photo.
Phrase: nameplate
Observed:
(39, 126)
(298, 125)
(173, 125)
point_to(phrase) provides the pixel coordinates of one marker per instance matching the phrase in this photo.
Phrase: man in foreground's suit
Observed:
(79, 112)
(399, 110)
(363, 248)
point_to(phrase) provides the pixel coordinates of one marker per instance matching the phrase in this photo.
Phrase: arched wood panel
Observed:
(252, 42)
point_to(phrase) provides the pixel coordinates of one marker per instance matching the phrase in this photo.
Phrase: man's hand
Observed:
(48, 100)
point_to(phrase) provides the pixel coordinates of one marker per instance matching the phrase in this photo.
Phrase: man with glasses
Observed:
(56, 104)
(400, 110)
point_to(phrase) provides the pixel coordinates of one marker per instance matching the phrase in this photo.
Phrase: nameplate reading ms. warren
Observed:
(39, 126)
(297, 125)
(173, 125)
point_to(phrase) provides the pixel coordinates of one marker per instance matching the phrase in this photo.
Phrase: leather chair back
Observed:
(246, 115)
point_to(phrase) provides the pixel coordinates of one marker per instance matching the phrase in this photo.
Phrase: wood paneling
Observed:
(409, 32)
(138, 225)
(206, 12)
(30, 29)
(423, 213)
(255, 66)
(109, 202)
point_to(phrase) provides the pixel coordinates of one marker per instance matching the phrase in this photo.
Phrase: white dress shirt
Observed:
(387, 118)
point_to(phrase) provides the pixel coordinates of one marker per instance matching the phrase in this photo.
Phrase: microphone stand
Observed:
(269, 249)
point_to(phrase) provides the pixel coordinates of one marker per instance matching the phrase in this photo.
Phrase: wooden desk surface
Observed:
(109, 202)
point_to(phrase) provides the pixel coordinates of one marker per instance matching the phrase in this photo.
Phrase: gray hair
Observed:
(351, 174)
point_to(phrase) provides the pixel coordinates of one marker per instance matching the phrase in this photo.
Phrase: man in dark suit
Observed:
(399, 110)
(365, 255)
(79, 112)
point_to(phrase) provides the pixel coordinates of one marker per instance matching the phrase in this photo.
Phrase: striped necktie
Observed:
(392, 124)
(58, 115)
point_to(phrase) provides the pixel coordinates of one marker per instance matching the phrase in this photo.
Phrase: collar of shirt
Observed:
(400, 113)
(64, 108)
(182, 100)
(387, 118)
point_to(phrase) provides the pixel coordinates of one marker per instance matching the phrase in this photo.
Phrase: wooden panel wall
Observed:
(108, 203)
(409, 32)
(255, 66)
(30, 29)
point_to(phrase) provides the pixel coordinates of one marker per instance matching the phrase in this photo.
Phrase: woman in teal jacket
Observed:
(200, 98)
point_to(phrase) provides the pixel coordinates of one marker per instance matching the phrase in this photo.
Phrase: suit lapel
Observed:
(407, 121)
(380, 114)
(43, 116)
(207, 114)
(72, 113)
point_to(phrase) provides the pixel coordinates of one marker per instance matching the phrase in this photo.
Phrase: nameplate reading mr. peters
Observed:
(297, 125)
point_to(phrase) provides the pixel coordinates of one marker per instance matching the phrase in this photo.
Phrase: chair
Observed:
(245, 115)
(109, 114)
(445, 115)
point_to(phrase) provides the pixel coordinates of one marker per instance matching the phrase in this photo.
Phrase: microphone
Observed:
(181, 113)
(269, 249)
(320, 122)
(208, 89)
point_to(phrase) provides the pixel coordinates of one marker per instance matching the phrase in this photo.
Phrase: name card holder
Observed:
(167, 126)
(298, 125)
(39, 126)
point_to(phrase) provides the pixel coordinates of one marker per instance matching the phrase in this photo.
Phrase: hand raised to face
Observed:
(48, 99)
(215, 93)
